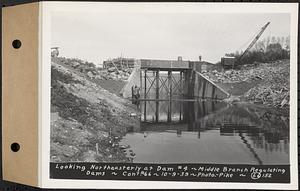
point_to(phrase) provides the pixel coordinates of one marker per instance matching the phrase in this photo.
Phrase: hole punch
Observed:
(15, 147)
(16, 44)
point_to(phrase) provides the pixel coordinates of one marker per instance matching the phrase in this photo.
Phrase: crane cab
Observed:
(227, 62)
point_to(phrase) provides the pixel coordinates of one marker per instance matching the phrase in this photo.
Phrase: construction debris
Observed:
(271, 81)
(113, 73)
(110, 72)
(274, 90)
(247, 73)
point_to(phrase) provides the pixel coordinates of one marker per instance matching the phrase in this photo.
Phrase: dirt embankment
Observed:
(110, 80)
(87, 121)
(264, 83)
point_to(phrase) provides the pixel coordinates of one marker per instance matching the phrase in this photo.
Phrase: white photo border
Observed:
(48, 8)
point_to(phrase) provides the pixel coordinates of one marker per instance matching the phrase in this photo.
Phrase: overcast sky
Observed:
(98, 36)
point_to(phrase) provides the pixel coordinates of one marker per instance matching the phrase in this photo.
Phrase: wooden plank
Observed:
(181, 95)
(145, 95)
(170, 94)
(181, 87)
(186, 84)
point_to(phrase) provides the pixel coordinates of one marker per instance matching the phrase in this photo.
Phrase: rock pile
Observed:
(93, 72)
(274, 90)
(272, 81)
(248, 73)
(113, 73)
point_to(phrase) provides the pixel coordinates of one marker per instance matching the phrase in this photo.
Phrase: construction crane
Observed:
(230, 61)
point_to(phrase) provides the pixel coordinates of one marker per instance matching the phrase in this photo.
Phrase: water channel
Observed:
(209, 132)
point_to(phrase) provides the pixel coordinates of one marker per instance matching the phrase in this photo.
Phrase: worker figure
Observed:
(136, 96)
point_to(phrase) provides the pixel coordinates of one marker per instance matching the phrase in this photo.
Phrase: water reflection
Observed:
(210, 132)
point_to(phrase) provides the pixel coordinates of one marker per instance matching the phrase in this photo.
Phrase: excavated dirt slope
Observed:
(87, 121)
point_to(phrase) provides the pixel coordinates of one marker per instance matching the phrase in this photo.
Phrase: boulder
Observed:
(90, 74)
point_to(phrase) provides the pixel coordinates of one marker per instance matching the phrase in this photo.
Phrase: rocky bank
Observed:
(263, 83)
(87, 120)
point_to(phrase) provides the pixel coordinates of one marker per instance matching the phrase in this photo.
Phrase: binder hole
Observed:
(15, 147)
(16, 44)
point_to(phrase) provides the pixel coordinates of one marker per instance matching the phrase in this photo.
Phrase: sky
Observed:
(98, 36)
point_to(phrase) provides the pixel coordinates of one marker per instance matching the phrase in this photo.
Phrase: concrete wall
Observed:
(134, 79)
(164, 64)
(195, 85)
(200, 66)
(204, 88)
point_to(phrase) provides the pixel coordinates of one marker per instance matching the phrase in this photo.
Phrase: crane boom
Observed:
(254, 40)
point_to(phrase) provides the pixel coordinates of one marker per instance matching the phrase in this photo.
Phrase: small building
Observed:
(227, 62)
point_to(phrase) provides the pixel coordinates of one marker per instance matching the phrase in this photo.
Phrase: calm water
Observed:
(209, 132)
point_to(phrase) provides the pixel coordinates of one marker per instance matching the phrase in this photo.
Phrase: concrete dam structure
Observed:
(162, 80)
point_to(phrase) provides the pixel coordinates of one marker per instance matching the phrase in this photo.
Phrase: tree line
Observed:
(266, 50)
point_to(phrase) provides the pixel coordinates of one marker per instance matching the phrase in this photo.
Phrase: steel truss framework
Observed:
(161, 89)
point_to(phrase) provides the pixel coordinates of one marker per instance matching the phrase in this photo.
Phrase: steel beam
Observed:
(157, 96)
(170, 95)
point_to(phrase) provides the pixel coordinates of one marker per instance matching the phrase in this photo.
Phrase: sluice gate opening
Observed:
(159, 90)
(165, 85)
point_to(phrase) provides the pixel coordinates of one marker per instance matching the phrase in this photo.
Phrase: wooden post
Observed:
(181, 96)
(157, 96)
(170, 95)
(196, 110)
(188, 84)
(204, 108)
(185, 92)
(185, 89)
(180, 85)
(145, 96)
(115, 66)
